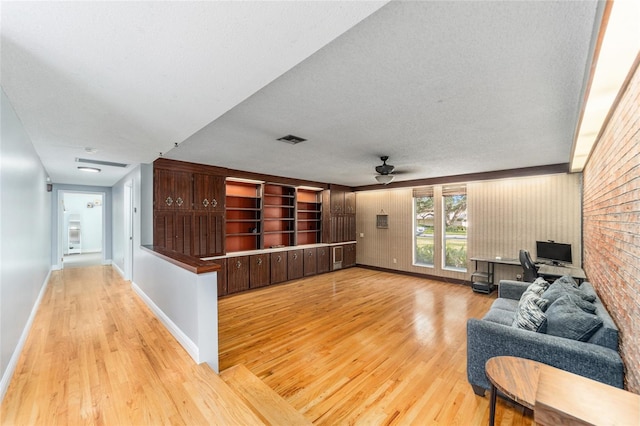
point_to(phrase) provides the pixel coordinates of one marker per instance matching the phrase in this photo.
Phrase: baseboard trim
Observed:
(416, 274)
(13, 362)
(183, 339)
(117, 268)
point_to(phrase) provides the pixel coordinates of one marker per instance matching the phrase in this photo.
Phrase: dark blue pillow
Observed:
(566, 319)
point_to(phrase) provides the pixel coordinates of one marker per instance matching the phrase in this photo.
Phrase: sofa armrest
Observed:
(512, 289)
(486, 340)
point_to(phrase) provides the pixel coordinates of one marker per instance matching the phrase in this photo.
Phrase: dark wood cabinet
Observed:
(208, 192)
(350, 202)
(208, 234)
(279, 267)
(172, 190)
(259, 270)
(173, 231)
(295, 264)
(237, 274)
(323, 259)
(349, 256)
(310, 262)
(222, 277)
(343, 227)
(337, 200)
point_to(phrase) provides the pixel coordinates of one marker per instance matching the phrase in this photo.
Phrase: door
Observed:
(323, 260)
(259, 270)
(208, 192)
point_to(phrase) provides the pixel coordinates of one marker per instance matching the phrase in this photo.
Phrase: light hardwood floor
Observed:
(352, 347)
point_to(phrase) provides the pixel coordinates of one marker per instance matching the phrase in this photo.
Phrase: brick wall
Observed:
(611, 224)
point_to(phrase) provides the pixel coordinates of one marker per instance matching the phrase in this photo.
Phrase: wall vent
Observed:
(102, 163)
(292, 139)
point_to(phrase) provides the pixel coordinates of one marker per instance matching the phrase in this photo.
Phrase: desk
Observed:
(559, 271)
(483, 281)
(559, 397)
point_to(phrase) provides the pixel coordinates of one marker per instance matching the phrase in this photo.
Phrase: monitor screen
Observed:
(555, 252)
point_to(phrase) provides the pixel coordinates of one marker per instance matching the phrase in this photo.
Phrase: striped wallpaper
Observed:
(504, 216)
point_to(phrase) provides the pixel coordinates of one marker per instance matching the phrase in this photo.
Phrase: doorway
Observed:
(81, 241)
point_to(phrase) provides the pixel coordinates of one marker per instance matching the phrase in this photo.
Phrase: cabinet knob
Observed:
(259, 261)
(169, 201)
(179, 202)
(295, 256)
(205, 202)
(279, 259)
(238, 264)
(214, 203)
(310, 254)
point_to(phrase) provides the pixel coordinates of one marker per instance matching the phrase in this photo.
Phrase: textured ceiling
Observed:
(443, 88)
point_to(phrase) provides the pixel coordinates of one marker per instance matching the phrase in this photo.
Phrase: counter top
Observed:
(190, 263)
(275, 250)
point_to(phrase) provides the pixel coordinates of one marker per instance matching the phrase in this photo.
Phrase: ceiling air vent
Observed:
(292, 139)
(102, 163)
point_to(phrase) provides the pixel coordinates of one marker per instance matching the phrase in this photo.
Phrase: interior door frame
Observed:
(60, 210)
(128, 230)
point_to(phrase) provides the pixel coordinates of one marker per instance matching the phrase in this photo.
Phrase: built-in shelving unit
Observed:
(279, 215)
(309, 216)
(244, 215)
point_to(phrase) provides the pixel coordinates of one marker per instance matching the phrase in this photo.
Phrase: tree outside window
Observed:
(424, 227)
(455, 228)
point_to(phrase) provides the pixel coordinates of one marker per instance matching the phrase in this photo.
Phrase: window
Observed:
(423, 209)
(454, 235)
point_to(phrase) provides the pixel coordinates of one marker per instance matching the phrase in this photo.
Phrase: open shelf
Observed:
(243, 216)
(309, 217)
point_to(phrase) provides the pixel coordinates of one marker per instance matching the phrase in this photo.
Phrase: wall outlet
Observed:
(395, 260)
(362, 235)
(518, 277)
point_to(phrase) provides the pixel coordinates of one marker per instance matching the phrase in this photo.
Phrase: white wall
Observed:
(90, 220)
(25, 237)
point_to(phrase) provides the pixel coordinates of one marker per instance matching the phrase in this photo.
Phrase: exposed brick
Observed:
(611, 224)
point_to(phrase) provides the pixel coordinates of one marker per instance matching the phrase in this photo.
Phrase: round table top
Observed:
(517, 378)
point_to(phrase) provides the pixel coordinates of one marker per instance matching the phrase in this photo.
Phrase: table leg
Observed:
(492, 406)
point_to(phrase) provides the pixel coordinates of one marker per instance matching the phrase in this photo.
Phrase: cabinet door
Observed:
(310, 262)
(323, 259)
(164, 229)
(222, 277)
(183, 191)
(350, 202)
(183, 231)
(237, 274)
(350, 227)
(278, 267)
(172, 190)
(349, 255)
(163, 189)
(208, 234)
(337, 201)
(208, 192)
(259, 270)
(200, 234)
(295, 264)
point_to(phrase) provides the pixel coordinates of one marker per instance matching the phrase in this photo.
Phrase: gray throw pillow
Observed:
(539, 286)
(561, 288)
(566, 319)
(529, 315)
(567, 279)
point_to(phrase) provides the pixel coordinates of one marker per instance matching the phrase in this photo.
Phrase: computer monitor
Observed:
(555, 252)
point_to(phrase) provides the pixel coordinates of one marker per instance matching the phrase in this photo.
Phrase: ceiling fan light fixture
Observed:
(384, 179)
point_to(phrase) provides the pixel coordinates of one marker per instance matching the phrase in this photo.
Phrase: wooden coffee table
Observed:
(516, 378)
(559, 397)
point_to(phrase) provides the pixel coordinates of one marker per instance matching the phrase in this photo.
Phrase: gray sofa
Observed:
(494, 335)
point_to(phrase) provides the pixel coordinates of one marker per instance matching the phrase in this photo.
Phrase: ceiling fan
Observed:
(385, 171)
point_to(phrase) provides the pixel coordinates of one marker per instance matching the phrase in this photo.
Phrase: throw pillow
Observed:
(529, 315)
(566, 319)
(561, 288)
(568, 279)
(539, 286)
